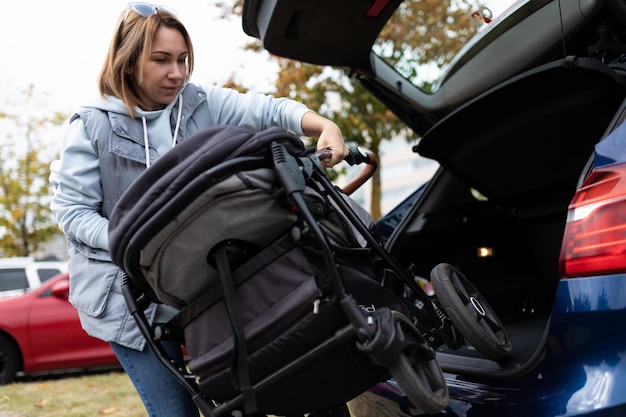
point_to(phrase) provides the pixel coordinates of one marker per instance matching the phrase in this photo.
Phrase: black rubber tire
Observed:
(470, 313)
(423, 383)
(10, 359)
(416, 370)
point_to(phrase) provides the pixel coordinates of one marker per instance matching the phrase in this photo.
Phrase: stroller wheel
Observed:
(470, 313)
(422, 382)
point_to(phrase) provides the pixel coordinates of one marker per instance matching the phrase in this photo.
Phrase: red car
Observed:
(40, 332)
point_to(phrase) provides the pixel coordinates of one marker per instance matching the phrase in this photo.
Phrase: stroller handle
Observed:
(357, 156)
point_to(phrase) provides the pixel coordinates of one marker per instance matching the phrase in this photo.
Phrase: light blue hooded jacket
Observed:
(104, 150)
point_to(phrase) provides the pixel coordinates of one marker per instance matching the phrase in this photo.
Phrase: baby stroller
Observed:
(287, 302)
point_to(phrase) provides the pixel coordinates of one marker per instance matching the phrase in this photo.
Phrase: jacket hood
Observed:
(109, 104)
(116, 105)
(157, 131)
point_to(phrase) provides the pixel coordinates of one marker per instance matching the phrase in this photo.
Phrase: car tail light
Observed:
(594, 242)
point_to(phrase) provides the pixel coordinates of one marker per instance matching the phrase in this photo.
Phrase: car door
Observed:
(56, 337)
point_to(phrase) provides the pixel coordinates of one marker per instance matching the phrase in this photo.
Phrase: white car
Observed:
(19, 274)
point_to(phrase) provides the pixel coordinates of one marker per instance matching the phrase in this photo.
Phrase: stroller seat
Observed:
(280, 298)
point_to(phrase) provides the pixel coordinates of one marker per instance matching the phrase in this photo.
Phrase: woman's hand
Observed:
(329, 137)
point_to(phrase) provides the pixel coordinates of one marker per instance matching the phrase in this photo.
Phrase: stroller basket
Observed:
(280, 299)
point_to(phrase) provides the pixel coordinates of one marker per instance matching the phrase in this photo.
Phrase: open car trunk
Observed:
(496, 209)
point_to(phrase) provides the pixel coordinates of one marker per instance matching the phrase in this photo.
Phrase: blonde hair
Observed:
(130, 47)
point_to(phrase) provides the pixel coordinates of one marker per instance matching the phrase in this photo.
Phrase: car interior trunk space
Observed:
(497, 207)
(510, 257)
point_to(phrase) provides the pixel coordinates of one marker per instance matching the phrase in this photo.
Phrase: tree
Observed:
(421, 32)
(25, 218)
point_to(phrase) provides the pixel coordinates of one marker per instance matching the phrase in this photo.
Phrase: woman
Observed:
(146, 107)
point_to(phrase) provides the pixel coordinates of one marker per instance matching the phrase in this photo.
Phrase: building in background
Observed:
(401, 172)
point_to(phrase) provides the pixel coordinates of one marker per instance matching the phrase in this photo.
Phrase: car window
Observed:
(421, 38)
(47, 273)
(13, 279)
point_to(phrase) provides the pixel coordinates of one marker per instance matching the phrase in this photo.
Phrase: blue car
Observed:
(528, 206)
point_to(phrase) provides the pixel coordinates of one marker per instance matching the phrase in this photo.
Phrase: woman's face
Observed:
(163, 73)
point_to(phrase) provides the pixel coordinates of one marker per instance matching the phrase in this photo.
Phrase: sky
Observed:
(59, 47)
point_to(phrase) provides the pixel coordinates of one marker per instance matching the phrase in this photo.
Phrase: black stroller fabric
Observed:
(168, 203)
(197, 197)
(277, 290)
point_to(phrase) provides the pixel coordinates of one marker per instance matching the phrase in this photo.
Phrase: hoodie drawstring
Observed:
(146, 143)
(180, 112)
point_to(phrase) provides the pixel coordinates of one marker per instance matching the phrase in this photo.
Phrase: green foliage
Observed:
(421, 32)
(25, 218)
(426, 32)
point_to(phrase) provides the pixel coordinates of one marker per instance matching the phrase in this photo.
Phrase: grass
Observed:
(107, 394)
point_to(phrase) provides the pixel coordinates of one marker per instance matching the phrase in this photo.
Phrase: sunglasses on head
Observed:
(147, 9)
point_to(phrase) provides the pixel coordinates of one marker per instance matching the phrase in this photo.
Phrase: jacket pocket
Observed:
(92, 276)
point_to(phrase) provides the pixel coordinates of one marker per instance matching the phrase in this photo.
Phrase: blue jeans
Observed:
(161, 393)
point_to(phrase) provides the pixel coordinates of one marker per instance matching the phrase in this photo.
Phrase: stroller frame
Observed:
(381, 336)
